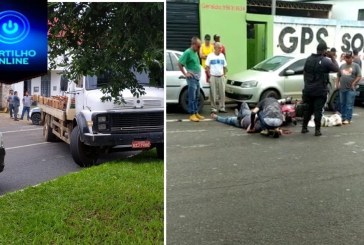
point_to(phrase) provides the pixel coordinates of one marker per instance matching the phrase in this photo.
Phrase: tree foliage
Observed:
(94, 38)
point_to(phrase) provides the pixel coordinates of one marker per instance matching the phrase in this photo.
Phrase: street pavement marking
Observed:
(22, 146)
(187, 120)
(22, 130)
(187, 131)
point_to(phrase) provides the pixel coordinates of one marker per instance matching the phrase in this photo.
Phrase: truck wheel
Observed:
(183, 102)
(270, 93)
(160, 151)
(49, 136)
(36, 119)
(82, 154)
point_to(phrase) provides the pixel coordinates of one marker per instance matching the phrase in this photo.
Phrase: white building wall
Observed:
(344, 10)
(55, 83)
(19, 87)
(35, 90)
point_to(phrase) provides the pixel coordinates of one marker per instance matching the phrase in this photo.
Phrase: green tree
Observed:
(94, 38)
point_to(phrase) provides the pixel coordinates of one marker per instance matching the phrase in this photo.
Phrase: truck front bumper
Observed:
(2, 159)
(122, 140)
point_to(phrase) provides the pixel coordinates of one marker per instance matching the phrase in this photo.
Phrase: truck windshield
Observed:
(96, 82)
(272, 64)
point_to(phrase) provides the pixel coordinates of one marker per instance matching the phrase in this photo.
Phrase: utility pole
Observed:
(274, 7)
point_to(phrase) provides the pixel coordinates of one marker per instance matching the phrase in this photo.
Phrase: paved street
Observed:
(30, 160)
(228, 187)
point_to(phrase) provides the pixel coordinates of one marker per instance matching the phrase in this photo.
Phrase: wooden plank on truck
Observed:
(60, 114)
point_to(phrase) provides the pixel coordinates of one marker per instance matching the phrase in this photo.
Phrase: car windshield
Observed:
(272, 64)
(96, 82)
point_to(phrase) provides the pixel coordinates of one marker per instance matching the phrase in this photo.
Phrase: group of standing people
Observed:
(211, 56)
(316, 79)
(14, 104)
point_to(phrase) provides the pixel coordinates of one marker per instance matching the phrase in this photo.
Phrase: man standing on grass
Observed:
(216, 69)
(189, 64)
(347, 78)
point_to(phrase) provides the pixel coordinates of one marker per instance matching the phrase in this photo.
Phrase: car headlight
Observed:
(1, 141)
(101, 119)
(249, 84)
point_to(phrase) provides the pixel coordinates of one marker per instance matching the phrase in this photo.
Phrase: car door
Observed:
(175, 79)
(293, 79)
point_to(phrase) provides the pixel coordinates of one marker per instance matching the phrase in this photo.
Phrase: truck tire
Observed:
(82, 154)
(160, 151)
(183, 102)
(49, 136)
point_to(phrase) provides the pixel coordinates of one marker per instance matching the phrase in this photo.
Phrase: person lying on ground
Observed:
(269, 115)
(241, 120)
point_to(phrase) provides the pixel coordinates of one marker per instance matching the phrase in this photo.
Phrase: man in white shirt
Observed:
(216, 67)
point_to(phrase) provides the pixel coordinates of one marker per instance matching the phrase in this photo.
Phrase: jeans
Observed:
(16, 111)
(314, 105)
(347, 99)
(25, 109)
(236, 121)
(193, 95)
(11, 109)
(263, 124)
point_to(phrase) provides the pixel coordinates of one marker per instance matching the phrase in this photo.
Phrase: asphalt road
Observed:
(228, 187)
(30, 160)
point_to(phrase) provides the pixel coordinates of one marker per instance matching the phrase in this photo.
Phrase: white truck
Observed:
(92, 127)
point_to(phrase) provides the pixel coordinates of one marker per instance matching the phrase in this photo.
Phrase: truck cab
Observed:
(92, 127)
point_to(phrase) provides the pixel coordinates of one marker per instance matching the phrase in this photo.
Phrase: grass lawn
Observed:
(114, 203)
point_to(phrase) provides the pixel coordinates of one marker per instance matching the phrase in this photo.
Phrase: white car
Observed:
(177, 85)
(280, 76)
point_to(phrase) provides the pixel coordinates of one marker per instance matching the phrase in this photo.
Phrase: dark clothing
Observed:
(316, 78)
(270, 115)
(16, 104)
(314, 106)
(26, 109)
(316, 75)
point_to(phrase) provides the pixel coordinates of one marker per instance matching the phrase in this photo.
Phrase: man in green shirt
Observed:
(189, 64)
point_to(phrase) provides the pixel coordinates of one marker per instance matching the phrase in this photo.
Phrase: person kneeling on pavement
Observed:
(241, 120)
(269, 115)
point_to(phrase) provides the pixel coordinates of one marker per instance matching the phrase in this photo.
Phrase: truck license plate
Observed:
(141, 144)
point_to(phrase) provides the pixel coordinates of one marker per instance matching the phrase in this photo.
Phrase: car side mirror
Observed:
(289, 72)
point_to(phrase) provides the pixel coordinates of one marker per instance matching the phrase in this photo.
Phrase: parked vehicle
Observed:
(2, 153)
(177, 84)
(279, 77)
(35, 115)
(92, 127)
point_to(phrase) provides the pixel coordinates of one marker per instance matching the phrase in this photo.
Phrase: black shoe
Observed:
(318, 132)
(304, 130)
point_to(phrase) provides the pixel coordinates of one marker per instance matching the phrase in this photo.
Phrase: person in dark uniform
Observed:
(314, 94)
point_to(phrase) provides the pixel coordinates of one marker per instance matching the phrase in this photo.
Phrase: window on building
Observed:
(361, 14)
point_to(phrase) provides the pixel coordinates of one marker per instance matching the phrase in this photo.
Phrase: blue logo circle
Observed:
(14, 27)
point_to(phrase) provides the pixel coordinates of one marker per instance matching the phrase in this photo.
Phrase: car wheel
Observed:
(184, 101)
(35, 118)
(335, 98)
(270, 94)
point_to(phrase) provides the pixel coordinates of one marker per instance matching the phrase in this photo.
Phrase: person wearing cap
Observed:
(189, 65)
(216, 67)
(217, 40)
(347, 79)
(314, 95)
(206, 49)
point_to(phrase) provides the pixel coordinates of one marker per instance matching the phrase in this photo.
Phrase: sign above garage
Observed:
(302, 35)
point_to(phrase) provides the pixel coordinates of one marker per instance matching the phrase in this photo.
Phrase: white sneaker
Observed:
(346, 122)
